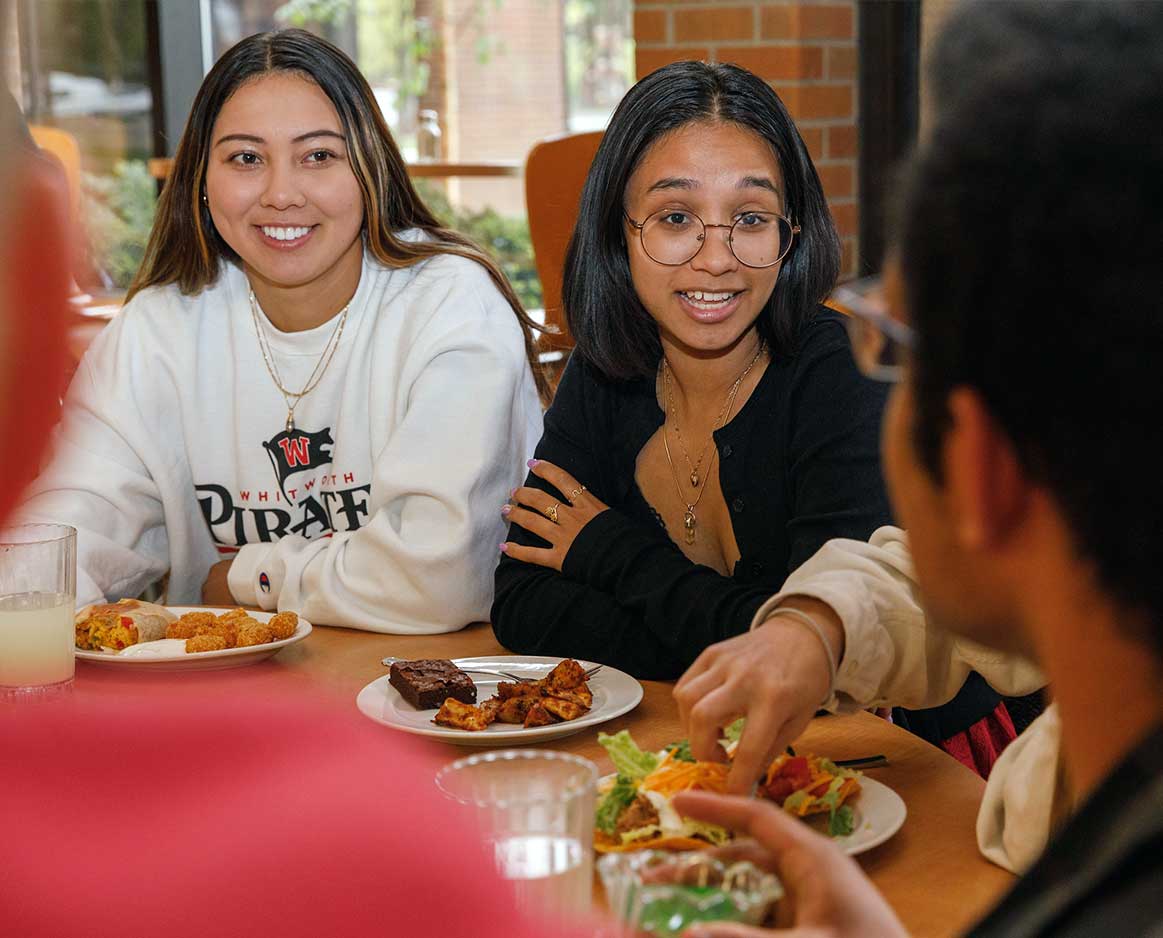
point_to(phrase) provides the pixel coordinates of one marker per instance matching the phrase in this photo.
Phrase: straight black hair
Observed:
(610, 325)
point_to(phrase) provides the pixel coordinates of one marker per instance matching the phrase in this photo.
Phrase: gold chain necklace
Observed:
(293, 398)
(719, 420)
(689, 519)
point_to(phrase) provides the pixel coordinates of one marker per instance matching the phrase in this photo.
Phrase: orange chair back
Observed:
(63, 145)
(555, 172)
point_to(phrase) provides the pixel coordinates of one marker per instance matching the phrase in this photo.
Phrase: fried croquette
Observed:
(187, 625)
(227, 628)
(205, 642)
(256, 634)
(283, 625)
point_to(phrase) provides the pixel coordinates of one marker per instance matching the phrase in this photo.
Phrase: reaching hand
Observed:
(775, 675)
(557, 521)
(826, 894)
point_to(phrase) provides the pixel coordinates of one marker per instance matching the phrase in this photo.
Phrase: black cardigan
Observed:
(798, 464)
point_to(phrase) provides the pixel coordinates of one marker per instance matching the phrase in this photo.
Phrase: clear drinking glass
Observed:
(658, 894)
(38, 589)
(537, 809)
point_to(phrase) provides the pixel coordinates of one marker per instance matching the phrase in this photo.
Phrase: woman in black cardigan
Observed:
(711, 430)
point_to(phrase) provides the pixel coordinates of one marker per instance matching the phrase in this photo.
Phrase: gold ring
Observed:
(551, 512)
(576, 492)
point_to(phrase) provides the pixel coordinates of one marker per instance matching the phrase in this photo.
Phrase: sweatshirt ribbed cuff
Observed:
(251, 582)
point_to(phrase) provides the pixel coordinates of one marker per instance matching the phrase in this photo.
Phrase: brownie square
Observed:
(427, 682)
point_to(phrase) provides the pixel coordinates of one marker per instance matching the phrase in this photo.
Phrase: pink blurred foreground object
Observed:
(34, 284)
(222, 806)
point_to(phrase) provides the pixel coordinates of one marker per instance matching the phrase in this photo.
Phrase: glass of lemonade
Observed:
(38, 589)
(537, 809)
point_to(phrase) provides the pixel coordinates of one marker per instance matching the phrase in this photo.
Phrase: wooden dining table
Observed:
(931, 870)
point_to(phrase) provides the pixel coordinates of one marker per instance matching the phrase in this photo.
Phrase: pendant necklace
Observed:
(689, 518)
(294, 397)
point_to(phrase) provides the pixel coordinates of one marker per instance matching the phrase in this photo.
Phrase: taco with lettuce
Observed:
(808, 785)
(634, 809)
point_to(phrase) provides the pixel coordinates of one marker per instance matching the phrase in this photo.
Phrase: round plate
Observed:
(169, 654)
(615, 692)
(879, 811)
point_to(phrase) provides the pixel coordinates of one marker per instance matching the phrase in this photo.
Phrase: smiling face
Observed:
(280, 188)
(719, 172)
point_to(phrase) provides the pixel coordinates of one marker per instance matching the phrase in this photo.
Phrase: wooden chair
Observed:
(555, 172)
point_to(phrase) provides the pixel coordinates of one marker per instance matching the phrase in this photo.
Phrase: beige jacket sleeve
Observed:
(895, 657)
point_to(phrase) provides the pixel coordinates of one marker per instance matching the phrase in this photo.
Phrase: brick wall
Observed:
(806, 49)
(497, 107)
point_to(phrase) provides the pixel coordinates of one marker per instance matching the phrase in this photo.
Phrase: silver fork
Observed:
(390, 660)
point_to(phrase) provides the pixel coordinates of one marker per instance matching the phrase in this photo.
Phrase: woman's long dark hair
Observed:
(609, 323)
(185, 248)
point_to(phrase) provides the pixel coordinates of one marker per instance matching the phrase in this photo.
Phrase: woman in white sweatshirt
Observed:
(316, 395)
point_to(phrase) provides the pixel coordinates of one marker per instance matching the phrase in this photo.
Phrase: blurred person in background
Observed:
(34, 284)
(312, 378)
(1022, 447)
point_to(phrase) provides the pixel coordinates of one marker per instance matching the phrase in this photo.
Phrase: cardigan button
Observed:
(727, 450)
(756, 568)
(738, 505)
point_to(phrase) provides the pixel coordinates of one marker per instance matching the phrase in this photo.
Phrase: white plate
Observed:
(879, 813)
(615, 692)
(169, 654)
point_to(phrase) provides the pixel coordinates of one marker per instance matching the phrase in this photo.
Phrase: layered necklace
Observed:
(294, 397)
(689, 519)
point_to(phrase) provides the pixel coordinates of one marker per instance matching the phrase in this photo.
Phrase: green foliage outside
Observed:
(505, 238)
(118, 212)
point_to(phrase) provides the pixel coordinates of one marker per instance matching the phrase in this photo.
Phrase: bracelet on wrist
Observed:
(813, 624)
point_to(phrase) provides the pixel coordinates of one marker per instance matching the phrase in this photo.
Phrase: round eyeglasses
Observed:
(880, 343)
(672, 237)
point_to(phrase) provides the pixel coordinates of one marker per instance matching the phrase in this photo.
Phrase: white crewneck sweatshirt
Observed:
(380, 511)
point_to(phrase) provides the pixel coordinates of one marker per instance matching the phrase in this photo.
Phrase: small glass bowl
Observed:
(659, 893)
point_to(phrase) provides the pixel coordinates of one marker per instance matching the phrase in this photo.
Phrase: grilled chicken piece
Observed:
(461, 716)
(563, 709)
(568, 674)
(515, 709)
(489, 710)
(538, 715)
(507, 689)
(582, 696)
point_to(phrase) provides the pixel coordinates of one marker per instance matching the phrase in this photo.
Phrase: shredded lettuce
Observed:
(641, 833)
(628, 759)
(832, 796)
(827, 765)
(613, 803)
(712, 833)
(793, 801)
(681, 750)
(841, 822)
(734, 732)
